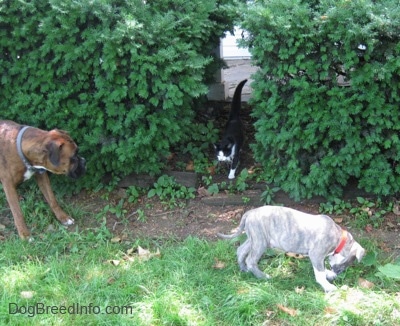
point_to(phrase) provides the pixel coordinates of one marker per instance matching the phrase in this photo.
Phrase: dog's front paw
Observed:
(244, 269)
(257, 273)
(329, 288)
(330, 275)
(69, 221)
(26, 237)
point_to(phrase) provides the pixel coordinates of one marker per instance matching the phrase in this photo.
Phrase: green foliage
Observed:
(171, 192)
(238, 185)
(327, 93)
(267, 196)
(335, 206)
(390, 270)
(240, 181)
(370, 212)
(202, 135)
(123, 77)
(133, 194)
(118, 210)
(364, 211)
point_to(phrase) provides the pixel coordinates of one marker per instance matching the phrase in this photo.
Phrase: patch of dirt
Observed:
(204, 217)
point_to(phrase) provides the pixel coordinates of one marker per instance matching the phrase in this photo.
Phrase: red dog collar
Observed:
(342, 242)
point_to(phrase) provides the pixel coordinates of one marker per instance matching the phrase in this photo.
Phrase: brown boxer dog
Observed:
(27, 151)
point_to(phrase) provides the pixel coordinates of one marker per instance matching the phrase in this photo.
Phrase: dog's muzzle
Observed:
(337, 269)
(78, 167)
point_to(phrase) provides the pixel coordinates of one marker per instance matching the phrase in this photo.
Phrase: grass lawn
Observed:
(82, 278)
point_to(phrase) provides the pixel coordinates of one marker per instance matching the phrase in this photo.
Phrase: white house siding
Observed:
(239, 63)
(230, 49)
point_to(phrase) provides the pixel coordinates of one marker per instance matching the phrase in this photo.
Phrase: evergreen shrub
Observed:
(326, 97)
(122, 76)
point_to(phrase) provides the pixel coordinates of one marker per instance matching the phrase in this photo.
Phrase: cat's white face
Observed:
(226, 157)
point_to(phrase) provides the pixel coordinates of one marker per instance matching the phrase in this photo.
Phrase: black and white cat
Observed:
(228, 148)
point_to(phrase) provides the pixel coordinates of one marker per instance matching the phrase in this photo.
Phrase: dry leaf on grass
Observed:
(369, 228)
(27, 294)
(202, 192)
(115, 240)
(146, 254)
(289, 311)
(242, 291)
(190, 166)
(115, 262)
(338, 220)
(299, 289)
(211, 169)
(329, 311)
(110, 281)
(269, 313)
(294, 255)
(218, 264)
(362, 282)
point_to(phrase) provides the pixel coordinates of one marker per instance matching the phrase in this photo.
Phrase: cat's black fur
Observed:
(227, 150)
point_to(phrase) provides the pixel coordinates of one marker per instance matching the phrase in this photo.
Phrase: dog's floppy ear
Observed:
(54, 150)
(360, 252)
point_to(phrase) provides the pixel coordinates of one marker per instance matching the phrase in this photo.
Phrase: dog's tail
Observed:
(238, 232)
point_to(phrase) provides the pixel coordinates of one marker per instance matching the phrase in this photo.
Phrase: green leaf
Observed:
(390, 270)
(151, 193)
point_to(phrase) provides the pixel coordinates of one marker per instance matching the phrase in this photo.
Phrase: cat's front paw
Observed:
(231, 174)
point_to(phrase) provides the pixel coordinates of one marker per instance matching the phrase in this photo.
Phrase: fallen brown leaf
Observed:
(329, 310)
(338, 219)
(396, 209)
(299, 289)
(211, 170)
(190, 166)
(203, 192)
(146, 254)
(294, 255)
(369, 228)
(243, 291)
(365, 283)
(384, 247)
(143, 252)
(218, 264)
(27, 294)
(115, 240)
(269, 313)
(289, 311)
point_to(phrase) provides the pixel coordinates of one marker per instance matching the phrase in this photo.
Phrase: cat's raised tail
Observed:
(237, 101)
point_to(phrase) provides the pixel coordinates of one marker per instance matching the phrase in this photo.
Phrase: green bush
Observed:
(122, 76)
(314, 133)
